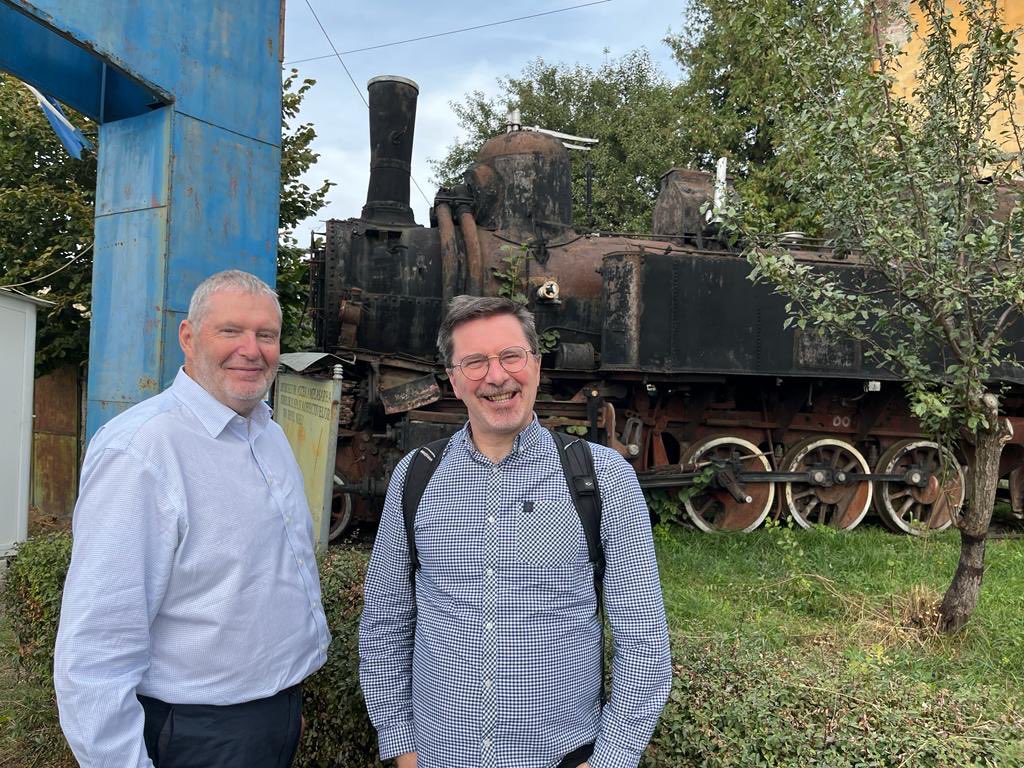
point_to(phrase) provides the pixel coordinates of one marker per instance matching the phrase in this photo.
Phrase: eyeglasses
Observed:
(475, 367)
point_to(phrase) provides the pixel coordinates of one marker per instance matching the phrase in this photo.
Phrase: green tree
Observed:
(736, 75)
(626, 103)
(905, 181)
(299, 202)
(46, 220)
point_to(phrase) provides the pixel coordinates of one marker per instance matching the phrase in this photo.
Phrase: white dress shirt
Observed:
(193, 578)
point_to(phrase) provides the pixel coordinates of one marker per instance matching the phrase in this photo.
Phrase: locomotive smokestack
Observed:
(392, 120)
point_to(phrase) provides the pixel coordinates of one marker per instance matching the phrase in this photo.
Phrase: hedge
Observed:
(733, 702)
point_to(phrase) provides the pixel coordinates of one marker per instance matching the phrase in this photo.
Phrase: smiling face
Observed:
(232, 353)
(501, 403)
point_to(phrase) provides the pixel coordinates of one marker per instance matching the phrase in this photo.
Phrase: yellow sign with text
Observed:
(307, 410)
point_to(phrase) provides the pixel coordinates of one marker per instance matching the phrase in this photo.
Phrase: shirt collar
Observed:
(527, 438)
(211, 413)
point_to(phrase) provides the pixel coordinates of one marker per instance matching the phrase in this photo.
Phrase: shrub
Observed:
(737, 699)
(32, 587)
(32, 591)
(338, 730)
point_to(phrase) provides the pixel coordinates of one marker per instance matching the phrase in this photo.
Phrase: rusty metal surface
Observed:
(474, 258)
(413, 394)
(55, 474)
(678, 208)
(522, 185)
(620, 340)
(55, 443)
(451, 260)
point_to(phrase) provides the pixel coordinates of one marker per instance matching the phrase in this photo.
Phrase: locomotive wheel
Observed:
(910, 509)
(715, 509)
(840, 506)
(341, 509)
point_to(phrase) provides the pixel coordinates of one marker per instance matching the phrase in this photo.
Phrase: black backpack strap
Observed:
(578, 466)
(417, 475)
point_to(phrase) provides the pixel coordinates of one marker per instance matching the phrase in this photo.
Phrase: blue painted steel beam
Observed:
(189, 174)
(70, 71)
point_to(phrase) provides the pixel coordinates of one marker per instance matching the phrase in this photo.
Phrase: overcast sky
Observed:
(446, 68)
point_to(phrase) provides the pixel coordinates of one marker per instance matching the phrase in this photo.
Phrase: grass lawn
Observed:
(814, 647)
(790, 648)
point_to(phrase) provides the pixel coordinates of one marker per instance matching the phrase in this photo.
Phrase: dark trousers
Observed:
(577, 756)
(256, 734)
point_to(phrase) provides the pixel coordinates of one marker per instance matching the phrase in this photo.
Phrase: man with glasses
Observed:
(490, 654)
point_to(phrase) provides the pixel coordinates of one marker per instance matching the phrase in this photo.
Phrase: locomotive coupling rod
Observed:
(827, 477)
(724, 477)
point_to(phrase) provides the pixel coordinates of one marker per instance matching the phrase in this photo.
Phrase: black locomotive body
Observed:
(657, 345)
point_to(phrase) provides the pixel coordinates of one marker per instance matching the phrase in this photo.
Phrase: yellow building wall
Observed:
(1013, 15)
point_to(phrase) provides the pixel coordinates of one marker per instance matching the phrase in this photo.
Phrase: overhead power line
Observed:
(337, 55)
(65, 265)
(440, 34)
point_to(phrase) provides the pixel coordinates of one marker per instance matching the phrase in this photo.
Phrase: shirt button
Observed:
(487, 684)
(489, 572)
(491, 519)
(487, 743)
(489, 625)
(301, 561)
(287, 518)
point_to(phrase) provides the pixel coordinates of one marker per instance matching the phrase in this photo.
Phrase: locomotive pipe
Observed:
(449, 252)
(392, 105)
(474, 259)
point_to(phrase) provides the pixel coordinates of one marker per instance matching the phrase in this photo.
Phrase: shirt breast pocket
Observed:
(549, 534)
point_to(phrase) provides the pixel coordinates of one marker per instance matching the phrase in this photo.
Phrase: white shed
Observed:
(18, 351)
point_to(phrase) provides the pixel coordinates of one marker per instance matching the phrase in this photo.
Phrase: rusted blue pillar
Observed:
(188, 98)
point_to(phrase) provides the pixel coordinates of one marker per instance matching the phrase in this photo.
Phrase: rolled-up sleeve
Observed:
(387, 628)
(642, 667)
(125, 536)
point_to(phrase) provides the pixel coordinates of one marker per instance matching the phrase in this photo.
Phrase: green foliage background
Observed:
(626, 103)
(46, 210)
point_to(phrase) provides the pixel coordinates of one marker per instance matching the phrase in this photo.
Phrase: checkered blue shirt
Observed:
(495, 661)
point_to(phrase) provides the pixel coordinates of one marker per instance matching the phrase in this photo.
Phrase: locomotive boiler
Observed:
(657, 345)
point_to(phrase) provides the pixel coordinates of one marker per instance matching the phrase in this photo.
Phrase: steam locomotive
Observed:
(656, 345)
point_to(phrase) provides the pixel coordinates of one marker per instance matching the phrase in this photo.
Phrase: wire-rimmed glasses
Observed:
(512, 359)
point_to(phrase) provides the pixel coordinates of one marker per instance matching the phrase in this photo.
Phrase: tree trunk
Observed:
(973, 522)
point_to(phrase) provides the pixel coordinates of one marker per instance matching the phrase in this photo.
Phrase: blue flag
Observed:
(72, 139)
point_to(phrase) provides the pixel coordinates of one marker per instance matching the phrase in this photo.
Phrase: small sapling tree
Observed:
(920, 186)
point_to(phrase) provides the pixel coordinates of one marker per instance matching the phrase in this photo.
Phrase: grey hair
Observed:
(462, 309)
(228, 280)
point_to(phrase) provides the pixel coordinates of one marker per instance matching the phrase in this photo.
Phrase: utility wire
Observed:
(337, 55)
(443, 34)
(359, 90)
(67, 264)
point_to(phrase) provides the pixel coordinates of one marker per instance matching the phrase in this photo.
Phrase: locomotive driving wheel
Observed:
(831, 501)
(715, 508)
(341, 509)
(916, 509)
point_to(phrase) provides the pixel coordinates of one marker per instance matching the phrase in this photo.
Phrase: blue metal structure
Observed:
(187, 95)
